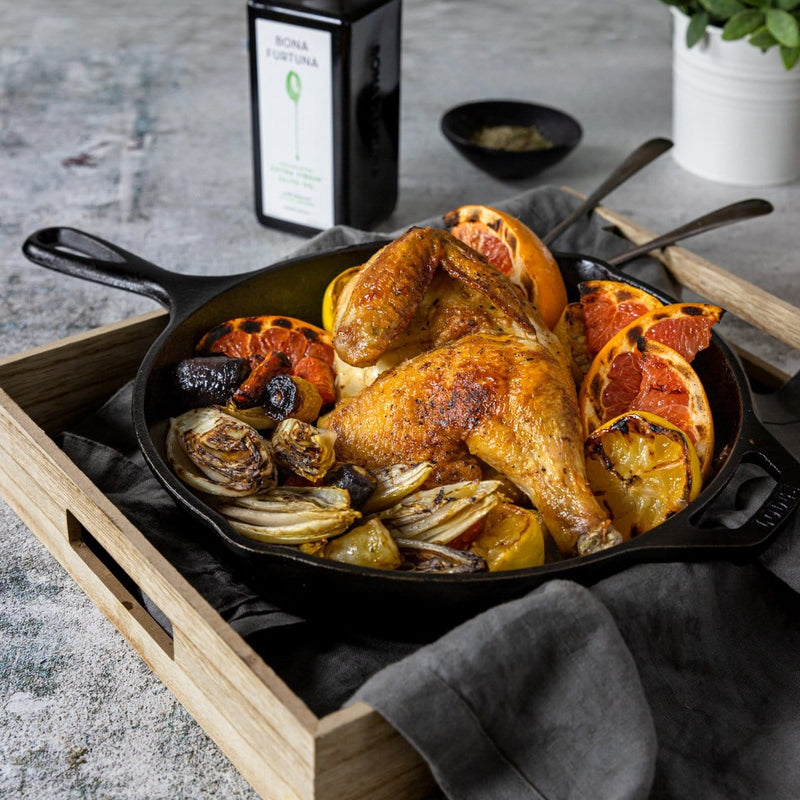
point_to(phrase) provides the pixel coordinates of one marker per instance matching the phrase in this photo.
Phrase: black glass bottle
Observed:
(325, 89)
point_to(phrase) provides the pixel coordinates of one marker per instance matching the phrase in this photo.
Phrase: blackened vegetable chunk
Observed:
(209, 380)
(359, 481)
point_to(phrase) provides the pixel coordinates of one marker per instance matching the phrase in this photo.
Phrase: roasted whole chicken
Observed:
(470, 378)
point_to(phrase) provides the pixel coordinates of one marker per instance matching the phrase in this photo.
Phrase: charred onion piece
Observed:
(215, 453)
(290, 514)
(359, 481)
(208, 380)
(437, 558)
(289, 396)
(304, 449)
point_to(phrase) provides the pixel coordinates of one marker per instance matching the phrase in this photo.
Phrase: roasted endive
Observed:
(218, 454)
(290, 514)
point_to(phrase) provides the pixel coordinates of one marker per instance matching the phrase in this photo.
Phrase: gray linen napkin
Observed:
(663, 681)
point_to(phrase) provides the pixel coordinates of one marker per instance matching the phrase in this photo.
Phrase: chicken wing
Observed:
(392, 289)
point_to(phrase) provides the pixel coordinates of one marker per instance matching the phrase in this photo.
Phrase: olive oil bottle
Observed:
(325, 91)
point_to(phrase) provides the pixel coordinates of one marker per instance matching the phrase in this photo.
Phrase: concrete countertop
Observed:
(132, 122)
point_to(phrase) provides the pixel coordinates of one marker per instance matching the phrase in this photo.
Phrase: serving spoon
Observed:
(638, 159)
(744, 209)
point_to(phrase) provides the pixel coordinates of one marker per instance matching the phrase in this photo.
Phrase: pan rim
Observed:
(636, 550)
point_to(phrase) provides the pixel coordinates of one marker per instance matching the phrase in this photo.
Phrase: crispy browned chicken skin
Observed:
(490, 385)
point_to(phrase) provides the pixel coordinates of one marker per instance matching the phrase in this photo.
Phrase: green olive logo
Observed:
(293, 87)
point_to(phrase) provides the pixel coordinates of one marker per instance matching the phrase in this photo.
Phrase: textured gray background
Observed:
(131, 121)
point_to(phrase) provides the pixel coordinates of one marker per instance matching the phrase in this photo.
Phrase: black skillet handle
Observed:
(758, 447)
(81, 255)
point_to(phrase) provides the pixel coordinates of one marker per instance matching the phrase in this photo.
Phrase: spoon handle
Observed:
(744, 209)
(639, 158)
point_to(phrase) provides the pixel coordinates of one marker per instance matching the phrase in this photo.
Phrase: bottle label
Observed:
(295, 118)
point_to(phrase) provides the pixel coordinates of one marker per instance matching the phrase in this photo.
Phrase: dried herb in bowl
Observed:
(514, 138)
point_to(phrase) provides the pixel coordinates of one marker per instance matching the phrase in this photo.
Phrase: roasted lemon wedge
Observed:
(512, 538)
(643, 469)
(331, 296)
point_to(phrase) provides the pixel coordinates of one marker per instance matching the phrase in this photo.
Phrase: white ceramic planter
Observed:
(736, 110)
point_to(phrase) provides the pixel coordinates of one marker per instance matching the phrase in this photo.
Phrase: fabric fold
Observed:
(538, 698)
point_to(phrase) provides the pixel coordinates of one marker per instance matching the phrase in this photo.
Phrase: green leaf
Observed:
(761, 3)
(722, 9)
(787, 5)
(739, 25)
(783, 26)
(789, 56)
(697, 28)
(763, 40)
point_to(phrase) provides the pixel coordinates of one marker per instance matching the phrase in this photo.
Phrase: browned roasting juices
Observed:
(325, 93)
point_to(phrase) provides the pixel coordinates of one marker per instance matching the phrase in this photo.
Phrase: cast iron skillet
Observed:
(423, 602)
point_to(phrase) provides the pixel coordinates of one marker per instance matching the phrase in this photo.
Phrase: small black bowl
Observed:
(460, 124)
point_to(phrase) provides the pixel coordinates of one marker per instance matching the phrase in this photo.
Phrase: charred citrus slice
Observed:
(570, 330)
(643, 470)
(333, 292)
(685, 327)
(647, 375)
(610, 306)
(307, 347)
(516, 251)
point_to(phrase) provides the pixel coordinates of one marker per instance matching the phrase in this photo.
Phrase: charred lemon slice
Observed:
(643, 469)
(331, 297)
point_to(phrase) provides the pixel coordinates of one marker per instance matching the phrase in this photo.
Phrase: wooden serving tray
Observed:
(273, 739)
(282, 748)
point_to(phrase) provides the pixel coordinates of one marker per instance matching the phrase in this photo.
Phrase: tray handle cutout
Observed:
(120, 601)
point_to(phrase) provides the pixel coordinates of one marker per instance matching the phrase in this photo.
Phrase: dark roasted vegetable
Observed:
(252, 391)
(359, 481)
(290, 396)
(209, 380)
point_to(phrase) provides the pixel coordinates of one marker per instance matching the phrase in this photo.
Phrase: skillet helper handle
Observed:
(764, 450)
(82, 255)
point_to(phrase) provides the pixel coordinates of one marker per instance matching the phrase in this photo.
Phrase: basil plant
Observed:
(765, 23)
